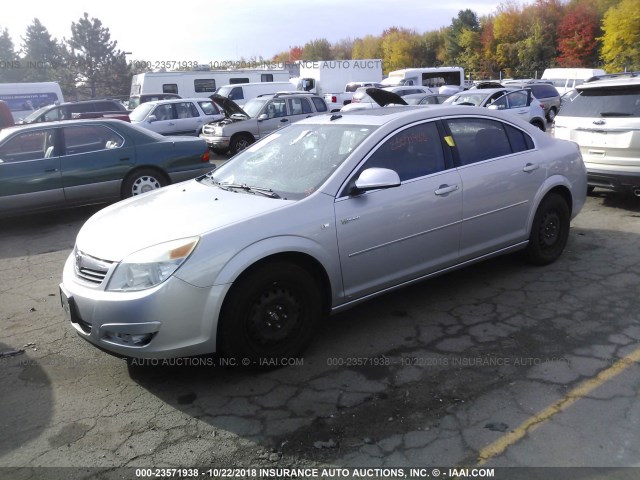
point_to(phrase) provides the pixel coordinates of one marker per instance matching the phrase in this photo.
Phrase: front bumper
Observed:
(173, 319)
(216, 142)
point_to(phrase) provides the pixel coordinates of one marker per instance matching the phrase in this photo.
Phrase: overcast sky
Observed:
(209, 31)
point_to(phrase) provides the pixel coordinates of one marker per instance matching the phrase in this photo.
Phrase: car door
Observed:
(96, 159)
(516, 102)
(163, 120)
(501, 173)
(272, 117)
(188, 120)
(393, 235)
(30, 171)
(299, 108)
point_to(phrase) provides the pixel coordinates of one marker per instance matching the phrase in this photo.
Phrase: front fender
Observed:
(283, 245)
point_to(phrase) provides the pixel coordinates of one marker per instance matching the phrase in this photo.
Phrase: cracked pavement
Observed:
(428, 375)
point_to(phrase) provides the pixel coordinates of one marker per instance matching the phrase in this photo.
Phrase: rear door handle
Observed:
(51, 170)
(444, 189)
(530, 167)
(284, 120)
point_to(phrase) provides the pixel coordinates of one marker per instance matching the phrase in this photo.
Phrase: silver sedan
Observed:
(317, 217)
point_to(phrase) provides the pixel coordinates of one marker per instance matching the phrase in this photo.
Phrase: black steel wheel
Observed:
(271, 313)
(550, 230)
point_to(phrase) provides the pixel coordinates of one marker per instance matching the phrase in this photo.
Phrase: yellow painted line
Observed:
(500, 445)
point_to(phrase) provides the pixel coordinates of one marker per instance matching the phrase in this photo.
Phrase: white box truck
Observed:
(329, 78)
(565, 79)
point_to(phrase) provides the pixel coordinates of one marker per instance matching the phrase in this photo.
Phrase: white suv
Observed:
(604, 120)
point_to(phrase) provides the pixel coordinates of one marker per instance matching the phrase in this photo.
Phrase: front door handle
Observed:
(284, 120)
(530, 167)
(444, 189)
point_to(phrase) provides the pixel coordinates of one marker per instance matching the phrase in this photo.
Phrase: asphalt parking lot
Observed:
(499, 364)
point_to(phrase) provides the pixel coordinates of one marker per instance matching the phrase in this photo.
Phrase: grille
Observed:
(91, 269)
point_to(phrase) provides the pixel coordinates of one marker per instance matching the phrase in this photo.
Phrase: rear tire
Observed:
(549, 231)
(271, 313)
(142, 181)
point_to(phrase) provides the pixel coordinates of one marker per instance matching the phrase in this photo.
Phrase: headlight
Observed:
(151, 266)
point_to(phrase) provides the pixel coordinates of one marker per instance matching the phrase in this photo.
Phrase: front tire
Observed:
(240, 142)
(271, 313)
(142, 181)
(550, 231)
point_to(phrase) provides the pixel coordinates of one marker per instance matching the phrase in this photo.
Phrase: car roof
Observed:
(609, 82)
(176, 100)
(406, 114)
(484, 91)
(58, 123)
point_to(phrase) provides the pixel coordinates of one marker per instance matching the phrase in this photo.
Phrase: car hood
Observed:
(228, 106)
(385, 97)
(183, 210)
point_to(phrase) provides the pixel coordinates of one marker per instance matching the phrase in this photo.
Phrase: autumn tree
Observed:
(289, 56)
(342, 49)
(369, 46)
(621, 37)
(490, 67)
(577, 36)
(319, 49)
(466, 21)
(399, 47)
(431, 48)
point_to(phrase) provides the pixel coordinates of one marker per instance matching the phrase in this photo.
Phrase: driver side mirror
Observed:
(375, 178)
(152, 118)
(262, 116)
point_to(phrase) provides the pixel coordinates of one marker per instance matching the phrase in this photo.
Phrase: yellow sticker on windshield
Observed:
(449, 140)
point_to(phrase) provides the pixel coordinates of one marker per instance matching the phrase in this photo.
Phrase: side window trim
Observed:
(343, 191)
(530, 142)
(61, 139)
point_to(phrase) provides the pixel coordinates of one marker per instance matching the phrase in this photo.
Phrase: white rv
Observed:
(565, 79)
(200, 83)
(240, 93)
(431, 77)
(23, 98)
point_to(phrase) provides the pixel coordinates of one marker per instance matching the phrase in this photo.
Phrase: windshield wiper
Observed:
(267, 192)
